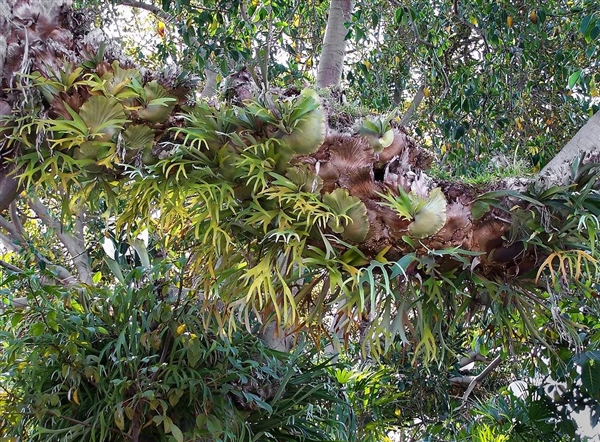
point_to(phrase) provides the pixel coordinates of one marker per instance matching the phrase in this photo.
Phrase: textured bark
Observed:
(34, 35)
(329, 71)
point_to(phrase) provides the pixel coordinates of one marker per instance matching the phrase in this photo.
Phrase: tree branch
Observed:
(10, 267)
(9, 187)
(210, 86)
(16, 220)
(472, 27)
(150, 8)
(73, 243)
(586, 141)
(413, 106)
(10, 228)
(476, 381)
(471, 357)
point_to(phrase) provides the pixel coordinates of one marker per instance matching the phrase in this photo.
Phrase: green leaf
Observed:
(351, 215)
(176, 432)
(104, 116)
(399, 16)
(37, 329)
(16, 319)
(142, 252)
(590, 376)
(159, 103)
(574, 78)
(479, 208)
(138, 136)
(214, 426)
(114, 267)
(585, 25)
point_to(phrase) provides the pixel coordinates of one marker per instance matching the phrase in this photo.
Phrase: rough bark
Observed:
(331, 62)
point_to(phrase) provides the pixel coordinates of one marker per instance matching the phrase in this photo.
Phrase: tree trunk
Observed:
(210, 86)
(586, 142)
(329, 72)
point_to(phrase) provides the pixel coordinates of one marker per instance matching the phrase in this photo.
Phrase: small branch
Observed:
(477, 380)
(413, 106)
(150, 8)
(8, 243)
(10, 267)
(74, 245)
(83, 423)
(472, 27)
(11, 228)
(16, 220)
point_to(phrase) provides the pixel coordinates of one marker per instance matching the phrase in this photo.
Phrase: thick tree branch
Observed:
(9, 188)
(210, 86)
(471, 357)
(329, 72)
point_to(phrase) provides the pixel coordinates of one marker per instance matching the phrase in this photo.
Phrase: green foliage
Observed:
(493, 80)
(509, 418)
(168, 352)
(135, 359)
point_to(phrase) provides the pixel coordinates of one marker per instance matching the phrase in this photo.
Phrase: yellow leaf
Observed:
(519, 122)
(180, 330)
(381, 255)
(160, 29)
